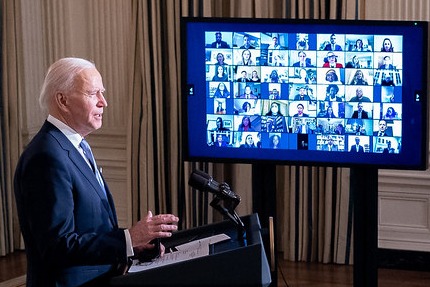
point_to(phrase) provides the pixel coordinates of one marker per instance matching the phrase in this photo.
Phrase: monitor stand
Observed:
(264, 203)
(364, 190)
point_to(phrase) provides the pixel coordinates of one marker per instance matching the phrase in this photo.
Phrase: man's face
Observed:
(245, 41)
(359, 92)
(83, 108)
(218, 37)
(360, 107)
(333, 39)
(302, 57)
(382, 126)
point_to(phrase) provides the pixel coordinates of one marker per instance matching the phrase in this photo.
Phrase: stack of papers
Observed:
(190, 250)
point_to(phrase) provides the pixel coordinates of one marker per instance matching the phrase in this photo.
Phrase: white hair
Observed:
(61, 78)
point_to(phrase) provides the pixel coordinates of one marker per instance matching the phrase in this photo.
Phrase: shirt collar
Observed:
(74, 137)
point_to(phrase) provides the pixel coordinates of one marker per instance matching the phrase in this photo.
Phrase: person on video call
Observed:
(329, 113)
(246, 43)
(275, 43)
(360, 97)
(359, 47)
(247, 93)
(275, 142)
(220, 59)
(274, 110)
(354, 63)
(359, 79)
(220, 125)
(65, 209)
(274, 77)
(305, 77)
(330, 61)
(274, 94)
(360, 113)
(246, 108)
(219, 43)
(220, 142)
(357, 147)
(277, 60)
(386, 64)
(330, 145)
(303, 61)
(303, 94)
(246, 58)
(388, 149)
(300, 111)
(332, 94)
(332, 46)
(246, 125)
(249, 142)
(391, 114)
(331, 77)
(220, 110)
(383, 130)
(243, 77)
(387, 45)
(221, 91)
(220, 74)
(255, 77)
(275, 121)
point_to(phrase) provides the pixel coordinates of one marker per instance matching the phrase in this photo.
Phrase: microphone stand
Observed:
(230, 200)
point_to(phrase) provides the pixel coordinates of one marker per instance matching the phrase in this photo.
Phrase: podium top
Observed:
(229, 263)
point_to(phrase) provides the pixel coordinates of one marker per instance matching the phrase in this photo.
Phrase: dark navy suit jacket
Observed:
(69, 227)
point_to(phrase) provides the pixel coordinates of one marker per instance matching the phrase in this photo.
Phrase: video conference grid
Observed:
(334, 90)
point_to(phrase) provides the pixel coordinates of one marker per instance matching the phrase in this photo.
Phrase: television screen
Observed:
(307, 92)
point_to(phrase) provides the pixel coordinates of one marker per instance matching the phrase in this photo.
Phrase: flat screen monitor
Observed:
(305, 92)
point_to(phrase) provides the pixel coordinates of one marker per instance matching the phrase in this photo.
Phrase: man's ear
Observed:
(61, 100)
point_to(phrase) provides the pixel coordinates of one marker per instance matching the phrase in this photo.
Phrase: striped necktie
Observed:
(89, 155)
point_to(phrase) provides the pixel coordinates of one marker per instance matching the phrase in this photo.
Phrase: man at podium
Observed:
(66, 211)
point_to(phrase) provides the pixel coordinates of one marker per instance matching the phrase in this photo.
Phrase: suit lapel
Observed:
(86, 171)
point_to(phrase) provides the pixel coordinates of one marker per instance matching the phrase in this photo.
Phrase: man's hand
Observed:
(152, 227)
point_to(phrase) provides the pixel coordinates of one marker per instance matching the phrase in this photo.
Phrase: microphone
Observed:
(204, 182)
